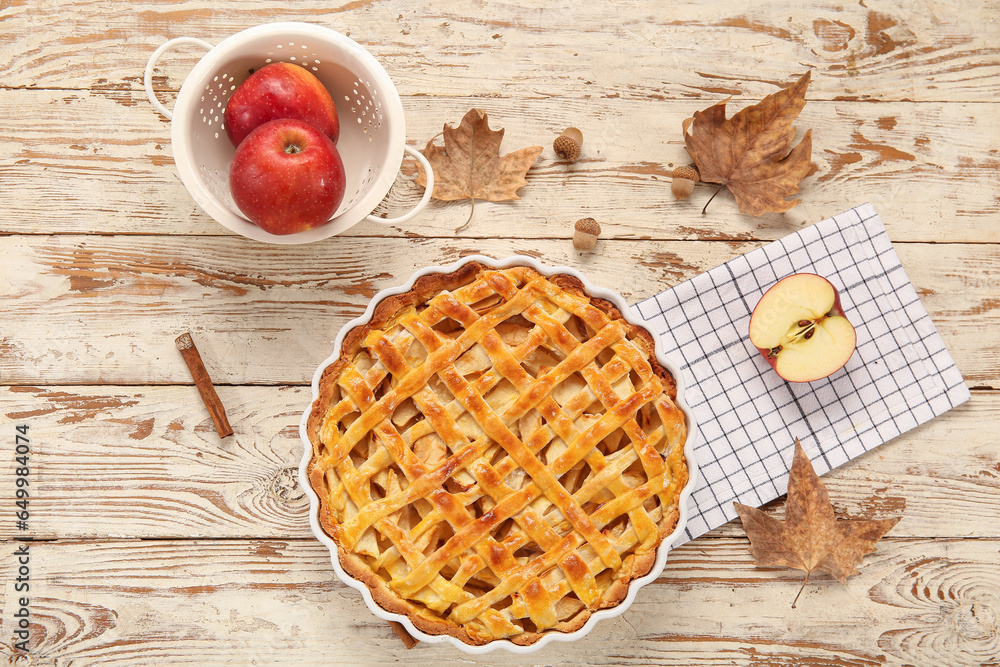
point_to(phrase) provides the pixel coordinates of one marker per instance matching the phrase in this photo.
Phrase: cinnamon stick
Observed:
(407, 638)
(204, 383)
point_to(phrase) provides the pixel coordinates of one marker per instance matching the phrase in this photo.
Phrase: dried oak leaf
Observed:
(470, 166)
(751, 153)
(811, 537)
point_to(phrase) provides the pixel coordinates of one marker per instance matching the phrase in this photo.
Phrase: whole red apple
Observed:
(287, 177)
(801, 329)
(280, 90)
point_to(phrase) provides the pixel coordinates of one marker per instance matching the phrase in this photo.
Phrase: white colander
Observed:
(372, 128)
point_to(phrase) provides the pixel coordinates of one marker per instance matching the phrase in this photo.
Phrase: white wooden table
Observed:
(152, 542)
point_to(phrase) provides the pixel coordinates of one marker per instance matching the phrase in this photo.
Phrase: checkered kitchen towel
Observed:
(748, 418)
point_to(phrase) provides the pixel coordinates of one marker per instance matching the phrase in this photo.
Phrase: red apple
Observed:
(287, 177)
(280, 90)
(800, 328)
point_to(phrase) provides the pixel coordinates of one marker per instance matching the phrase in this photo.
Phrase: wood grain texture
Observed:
(107, 309)
(101, 163)
(145, 462)
(278, 602)
(159, 545)
(881, 50)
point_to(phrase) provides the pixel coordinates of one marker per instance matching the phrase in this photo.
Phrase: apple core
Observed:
(801, 329)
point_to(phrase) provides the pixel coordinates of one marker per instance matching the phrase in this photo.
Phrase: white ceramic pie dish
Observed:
(665, 546)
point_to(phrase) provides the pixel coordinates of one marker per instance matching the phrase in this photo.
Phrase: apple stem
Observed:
(705, 207)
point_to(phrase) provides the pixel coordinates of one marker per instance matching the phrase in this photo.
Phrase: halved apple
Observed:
(801, 329)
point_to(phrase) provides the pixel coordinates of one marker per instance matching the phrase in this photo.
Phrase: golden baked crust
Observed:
(497, 454)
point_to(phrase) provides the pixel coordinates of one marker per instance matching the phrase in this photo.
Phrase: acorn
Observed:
(567, 145)
(585, 233)
(683, 182)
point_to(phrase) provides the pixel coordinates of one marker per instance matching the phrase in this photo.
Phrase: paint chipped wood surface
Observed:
(277, 601)
(157, 544)
(116, 161)
(274, 321)
(171, 477)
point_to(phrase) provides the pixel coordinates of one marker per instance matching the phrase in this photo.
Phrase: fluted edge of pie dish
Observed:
(667, 543)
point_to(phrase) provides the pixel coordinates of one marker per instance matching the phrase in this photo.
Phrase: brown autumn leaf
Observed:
(470, 165)
(811, 537)
(751, 153)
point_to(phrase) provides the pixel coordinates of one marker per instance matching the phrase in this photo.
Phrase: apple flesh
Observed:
(280, 90)
(287, 177)
(801, 329)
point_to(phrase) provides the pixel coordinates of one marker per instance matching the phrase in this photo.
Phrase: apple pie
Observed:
(497, 454)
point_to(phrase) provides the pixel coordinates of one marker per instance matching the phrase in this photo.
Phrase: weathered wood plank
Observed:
(115, 603)
(107, 309)
(105, 258)
(876, 50)
(145, 462)
(101, 162)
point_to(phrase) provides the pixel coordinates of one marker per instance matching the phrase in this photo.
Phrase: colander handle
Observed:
(412, 213)
(147, 79)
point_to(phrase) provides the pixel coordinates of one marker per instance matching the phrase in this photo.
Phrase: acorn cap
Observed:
(688, 172)
(588, 226)
(566, 148)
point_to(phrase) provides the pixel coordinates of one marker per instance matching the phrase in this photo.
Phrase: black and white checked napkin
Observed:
(900, 376)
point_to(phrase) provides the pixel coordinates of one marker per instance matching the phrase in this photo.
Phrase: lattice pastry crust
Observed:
(497, 454)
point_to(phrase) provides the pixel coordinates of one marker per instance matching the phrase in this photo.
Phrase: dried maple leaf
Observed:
(811, 537)
(470, 166)
(751, 153)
